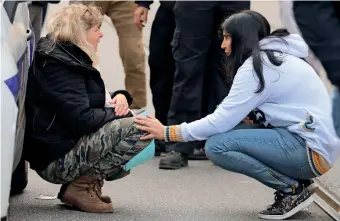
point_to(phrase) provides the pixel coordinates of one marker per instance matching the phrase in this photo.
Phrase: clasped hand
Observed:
(121, 105)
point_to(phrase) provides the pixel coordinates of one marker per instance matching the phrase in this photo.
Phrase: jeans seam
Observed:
(281, 180)
(302, 168)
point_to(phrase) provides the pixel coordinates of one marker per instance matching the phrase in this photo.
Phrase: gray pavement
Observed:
(332, 179)
(199, 192)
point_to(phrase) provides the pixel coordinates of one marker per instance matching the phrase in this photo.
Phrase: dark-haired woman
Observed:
(272, 84)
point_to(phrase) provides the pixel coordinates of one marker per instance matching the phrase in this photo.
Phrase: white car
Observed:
(16, 50)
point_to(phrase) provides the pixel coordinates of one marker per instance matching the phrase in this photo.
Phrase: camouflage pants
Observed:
(103, 153)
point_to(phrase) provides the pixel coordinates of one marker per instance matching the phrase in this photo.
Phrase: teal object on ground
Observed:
(147, 154)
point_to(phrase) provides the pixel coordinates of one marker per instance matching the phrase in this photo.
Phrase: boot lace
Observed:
(92, 187)
(278, 200)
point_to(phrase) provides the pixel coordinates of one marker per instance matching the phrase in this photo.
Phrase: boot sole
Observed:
(197, 158)
(73, 205)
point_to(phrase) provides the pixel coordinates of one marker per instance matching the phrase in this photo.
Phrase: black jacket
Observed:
(65, 100)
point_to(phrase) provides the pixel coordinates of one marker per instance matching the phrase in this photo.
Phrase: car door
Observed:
(15, 59)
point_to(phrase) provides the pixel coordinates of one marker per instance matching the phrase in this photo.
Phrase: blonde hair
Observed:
(72, 23)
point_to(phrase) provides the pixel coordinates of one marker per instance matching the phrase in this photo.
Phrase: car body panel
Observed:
(15, 61)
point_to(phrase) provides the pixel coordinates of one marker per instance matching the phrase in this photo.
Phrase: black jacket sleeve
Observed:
(64, 91)
(145, 4)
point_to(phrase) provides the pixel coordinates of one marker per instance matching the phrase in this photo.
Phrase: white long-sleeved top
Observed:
(293, 97)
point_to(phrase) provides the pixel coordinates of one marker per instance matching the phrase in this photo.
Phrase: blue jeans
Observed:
(336, 110)
(275, 157)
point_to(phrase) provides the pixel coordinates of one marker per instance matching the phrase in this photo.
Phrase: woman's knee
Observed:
(125, 132)
(223, 143)
(131, 134)
(217, 144)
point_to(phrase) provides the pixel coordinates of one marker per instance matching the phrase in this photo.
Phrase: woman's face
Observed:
(226, 44)
(94, 35)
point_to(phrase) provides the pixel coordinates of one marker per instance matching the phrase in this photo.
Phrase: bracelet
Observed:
(173, 134)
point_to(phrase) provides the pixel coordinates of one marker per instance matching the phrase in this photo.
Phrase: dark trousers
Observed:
(162, 64)
(319, 23)
(198, 85)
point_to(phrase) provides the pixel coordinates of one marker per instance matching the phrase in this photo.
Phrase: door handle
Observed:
(29, 34)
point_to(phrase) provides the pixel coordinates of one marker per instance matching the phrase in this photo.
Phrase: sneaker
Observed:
(286, 206)
(173, 161)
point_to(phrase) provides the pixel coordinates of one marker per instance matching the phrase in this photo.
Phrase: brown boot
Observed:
(82, 193)
(105, 199)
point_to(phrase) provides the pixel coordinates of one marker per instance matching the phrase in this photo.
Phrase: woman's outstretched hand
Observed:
(151, 125)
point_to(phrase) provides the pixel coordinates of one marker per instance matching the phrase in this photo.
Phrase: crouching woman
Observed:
(77, 134)
(272, 84)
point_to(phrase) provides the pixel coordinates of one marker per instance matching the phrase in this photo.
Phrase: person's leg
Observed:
(274, 157)
(288, 21)
(131, 49)
(162, 65)
(35, 12)
(321, 33)
(44, 13)
(105, 152)
(215, 88)
(191, 42)
(95, 157)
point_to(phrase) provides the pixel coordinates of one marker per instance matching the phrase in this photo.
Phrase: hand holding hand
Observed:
(151, 125)
(248, 121)
(121, 105)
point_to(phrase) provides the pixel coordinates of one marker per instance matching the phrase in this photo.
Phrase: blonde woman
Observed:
(77, 134)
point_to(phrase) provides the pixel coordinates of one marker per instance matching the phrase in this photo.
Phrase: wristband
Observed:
(173, 134)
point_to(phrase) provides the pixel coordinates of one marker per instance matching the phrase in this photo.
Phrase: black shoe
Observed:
(286, 205)
(159, 147)
(173, 161)
(198, 154)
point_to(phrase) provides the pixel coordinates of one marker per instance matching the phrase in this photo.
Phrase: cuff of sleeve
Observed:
(125, 93)
(173, 134)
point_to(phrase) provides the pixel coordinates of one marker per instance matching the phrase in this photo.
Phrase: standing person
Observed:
(161, 61)
(288, 20)
(73, 136)
(198, 87)
(131, 48)
(300, 141)
(322, 34)
(37, 16)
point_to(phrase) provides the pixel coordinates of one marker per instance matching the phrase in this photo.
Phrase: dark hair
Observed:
(246, 29)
